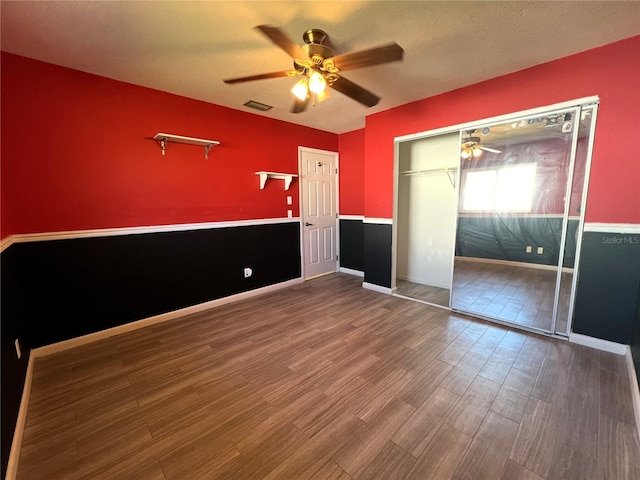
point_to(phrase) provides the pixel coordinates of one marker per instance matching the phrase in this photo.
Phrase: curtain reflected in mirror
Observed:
(516, 225)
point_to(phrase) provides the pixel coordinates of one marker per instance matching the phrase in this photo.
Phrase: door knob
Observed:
(307, 224)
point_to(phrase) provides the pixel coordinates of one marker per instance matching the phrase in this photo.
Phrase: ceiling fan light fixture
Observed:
(317, 83)
(324, 95)
(301, 88)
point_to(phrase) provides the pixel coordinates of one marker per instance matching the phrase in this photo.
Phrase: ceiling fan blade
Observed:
(263, 76)
(282, 40)
(300, 105)
(492, 150)
(356, 92)
(366, 58)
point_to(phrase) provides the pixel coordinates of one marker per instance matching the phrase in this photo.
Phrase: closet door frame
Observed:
(459, 128)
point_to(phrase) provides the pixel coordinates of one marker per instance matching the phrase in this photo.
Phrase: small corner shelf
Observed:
(287, 177)
(163, 138)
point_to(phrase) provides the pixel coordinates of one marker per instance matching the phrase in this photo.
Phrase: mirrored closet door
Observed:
(488, 217)
(519, 215)
(573, 224)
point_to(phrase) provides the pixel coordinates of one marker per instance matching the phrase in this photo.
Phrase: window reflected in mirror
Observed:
(510, 236)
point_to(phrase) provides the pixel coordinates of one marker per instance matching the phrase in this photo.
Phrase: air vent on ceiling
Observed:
(258, 106)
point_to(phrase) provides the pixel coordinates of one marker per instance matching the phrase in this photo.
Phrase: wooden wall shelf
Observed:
(163, 138)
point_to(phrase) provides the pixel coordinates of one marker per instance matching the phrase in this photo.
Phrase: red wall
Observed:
(610, 72)
(76, 155)
(352, 173)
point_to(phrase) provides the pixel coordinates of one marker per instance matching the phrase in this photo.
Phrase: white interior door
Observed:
(318, 171)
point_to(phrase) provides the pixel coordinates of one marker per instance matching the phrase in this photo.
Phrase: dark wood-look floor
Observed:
(516, 294)
(425, 293)
(326, 380)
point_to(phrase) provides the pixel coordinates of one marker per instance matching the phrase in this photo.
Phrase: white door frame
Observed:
(303, 247)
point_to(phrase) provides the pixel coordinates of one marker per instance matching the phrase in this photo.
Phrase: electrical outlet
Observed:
(540, 250)
(289, 213)
(18, 352)
(289, 200)
(247, 272)
(528, 248)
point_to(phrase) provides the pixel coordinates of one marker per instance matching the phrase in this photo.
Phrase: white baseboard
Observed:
(376, 288)
(349, 271)
(128, 327)
(509, 263)
(606, 345)
(635, 390)
(16, 443)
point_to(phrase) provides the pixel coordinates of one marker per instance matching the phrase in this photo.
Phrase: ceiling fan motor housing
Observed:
(315, 35)
(315, 47)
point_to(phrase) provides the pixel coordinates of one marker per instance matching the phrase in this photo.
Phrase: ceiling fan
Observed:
(471, 146)
(318, 68)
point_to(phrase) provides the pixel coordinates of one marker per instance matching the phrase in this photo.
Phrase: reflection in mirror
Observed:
(426, 213)
(513, 183)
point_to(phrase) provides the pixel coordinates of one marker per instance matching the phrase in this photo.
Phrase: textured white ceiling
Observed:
(187, 48)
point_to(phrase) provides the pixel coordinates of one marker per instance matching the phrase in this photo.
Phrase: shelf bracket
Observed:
(287, 177)
(451, 179)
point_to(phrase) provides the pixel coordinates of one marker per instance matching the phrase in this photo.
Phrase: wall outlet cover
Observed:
(540, 250)
(528, 249)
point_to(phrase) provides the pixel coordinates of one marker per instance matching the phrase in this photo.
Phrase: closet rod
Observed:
(431, 170)
(446, 170)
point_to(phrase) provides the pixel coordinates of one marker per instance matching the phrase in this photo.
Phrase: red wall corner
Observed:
(352, 155)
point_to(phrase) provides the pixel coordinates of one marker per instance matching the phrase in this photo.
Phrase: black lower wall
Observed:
(61, 289)
(81, 286)
(351, 244)
(14, 370)
(506, 238)
(377, 254)
(607, 297)
(635, 340)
